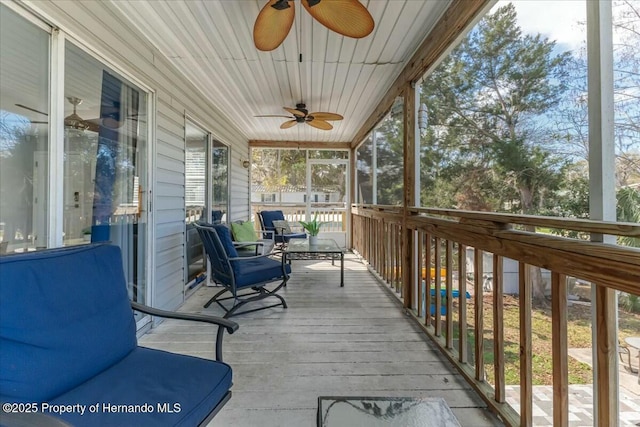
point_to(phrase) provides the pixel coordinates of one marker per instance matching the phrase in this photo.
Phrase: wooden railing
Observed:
(333, 215)
(404, 246)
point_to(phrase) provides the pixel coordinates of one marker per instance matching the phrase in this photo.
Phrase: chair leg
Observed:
(214, 298)
(262, 294)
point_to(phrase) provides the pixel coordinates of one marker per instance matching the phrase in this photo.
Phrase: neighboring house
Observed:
(293, 194)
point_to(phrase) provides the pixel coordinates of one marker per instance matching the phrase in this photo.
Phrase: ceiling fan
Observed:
(111, 117)
(300, 114)
(74, 121)
(35, 111)
(346, 17)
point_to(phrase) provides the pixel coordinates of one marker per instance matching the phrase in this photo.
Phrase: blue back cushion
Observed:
(269, 216)
(64, 317)
(224, 233)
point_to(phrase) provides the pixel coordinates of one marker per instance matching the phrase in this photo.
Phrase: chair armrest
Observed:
(243, 244)
(223, 324)
(247, 258)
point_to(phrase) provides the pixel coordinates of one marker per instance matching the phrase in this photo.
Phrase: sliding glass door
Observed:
(105, 163)
(90, 185)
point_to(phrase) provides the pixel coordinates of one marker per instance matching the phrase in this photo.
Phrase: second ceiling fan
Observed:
(300, 114)
(346, 17)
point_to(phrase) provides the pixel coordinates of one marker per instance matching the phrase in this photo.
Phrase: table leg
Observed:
(341, 270)
(284, 261)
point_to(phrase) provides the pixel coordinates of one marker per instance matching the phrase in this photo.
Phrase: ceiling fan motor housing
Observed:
(303, 108)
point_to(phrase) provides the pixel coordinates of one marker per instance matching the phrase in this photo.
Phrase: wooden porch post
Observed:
(408, 246)
(602, 204)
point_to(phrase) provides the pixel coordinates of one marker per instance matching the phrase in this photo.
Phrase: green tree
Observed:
(488, 101)
(628, 210)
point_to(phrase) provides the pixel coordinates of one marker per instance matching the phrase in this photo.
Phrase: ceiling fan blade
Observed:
(347, 17)
(320, 124)
(93, 127)
(288, 124)
(273, 24)
(295, 112)
(326, 116)
(273, 115)
(31, 109)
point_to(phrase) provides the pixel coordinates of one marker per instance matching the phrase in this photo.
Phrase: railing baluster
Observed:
(462, 313)
(419, 266)
(427, 280)
(559, 343)
(607, 377)
(438, 286)
(394, 262)
(526, 383)
(478, 314)
(498, 328)
(449, 287)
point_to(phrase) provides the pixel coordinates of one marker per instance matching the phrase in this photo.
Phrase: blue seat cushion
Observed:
(65, 317)
(249, 272)
(286, 237)
(190, 386)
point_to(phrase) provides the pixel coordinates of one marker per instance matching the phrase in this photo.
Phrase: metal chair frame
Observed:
(224, 274)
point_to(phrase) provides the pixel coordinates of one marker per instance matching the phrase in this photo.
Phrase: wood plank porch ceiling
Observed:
(211, 43)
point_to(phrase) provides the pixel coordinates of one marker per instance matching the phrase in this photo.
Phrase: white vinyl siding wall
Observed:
(101, 28)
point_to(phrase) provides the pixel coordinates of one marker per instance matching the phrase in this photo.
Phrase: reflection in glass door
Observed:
(327, 197)
(219, 181)
(24, 134)
(105, 163)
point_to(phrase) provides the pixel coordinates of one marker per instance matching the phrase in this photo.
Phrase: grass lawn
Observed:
(579, 336)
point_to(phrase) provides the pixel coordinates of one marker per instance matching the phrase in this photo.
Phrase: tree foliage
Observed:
(486, 103)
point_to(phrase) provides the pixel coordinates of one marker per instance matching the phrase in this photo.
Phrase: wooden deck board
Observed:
(351, 341)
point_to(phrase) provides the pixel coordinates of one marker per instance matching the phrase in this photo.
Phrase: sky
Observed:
(556, 19)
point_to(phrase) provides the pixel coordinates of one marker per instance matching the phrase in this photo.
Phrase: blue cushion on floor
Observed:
(65, 316)
(252, 271)
(161, 378)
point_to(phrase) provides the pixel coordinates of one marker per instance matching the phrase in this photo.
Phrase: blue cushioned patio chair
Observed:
(243, 277)
(68, 338)
(282, 236)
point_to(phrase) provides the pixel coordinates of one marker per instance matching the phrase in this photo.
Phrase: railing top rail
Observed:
(629, 229)
(585, 225)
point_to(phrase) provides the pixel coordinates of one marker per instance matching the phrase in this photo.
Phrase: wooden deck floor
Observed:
(331, 341)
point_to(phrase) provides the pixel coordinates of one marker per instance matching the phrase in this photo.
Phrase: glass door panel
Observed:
(105, 163)
(327, 197)
(24, 134)
(196, 140)
(219, 181)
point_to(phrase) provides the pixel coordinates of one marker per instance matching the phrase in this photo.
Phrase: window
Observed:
(24, 133)
(268, 198)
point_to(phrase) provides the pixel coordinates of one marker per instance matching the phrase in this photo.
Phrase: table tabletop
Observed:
(633, 342)
(347, 411)
(303, 246)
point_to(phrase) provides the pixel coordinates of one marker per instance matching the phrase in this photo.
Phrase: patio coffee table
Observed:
(298, 249)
